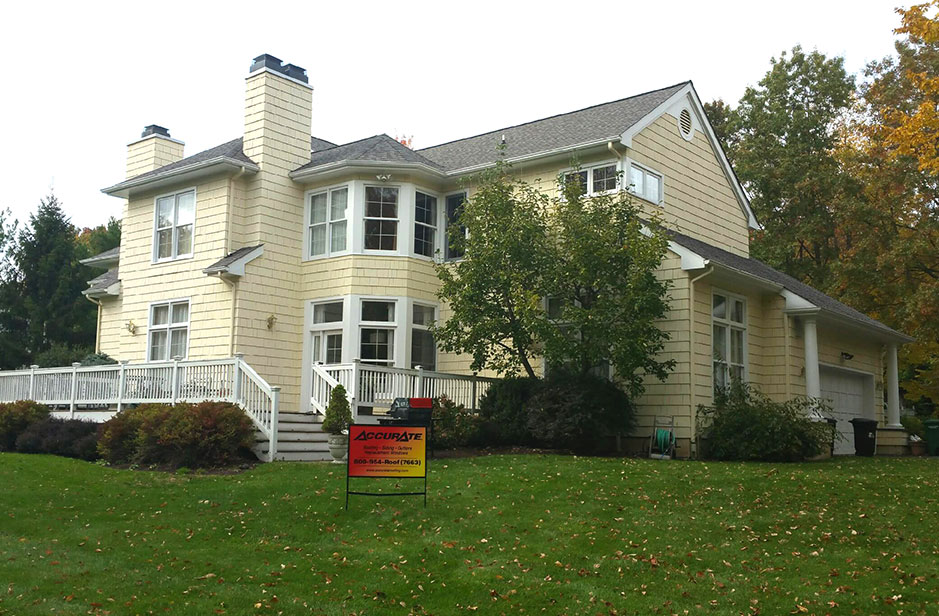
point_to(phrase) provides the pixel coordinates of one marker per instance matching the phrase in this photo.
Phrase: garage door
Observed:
(844, 391)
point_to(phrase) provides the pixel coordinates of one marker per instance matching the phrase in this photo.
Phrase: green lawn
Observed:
(501, 534)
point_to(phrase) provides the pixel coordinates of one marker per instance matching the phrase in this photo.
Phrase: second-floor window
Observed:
(175, 217)
(381, 218)
(425, 224)
(594, 180)
(645, 183)
(454, 211)
(328, 221)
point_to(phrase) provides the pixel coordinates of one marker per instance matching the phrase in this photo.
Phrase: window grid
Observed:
(425, 224)
(168, 331)
(381, 218)
(595, 180)
(173, 228)
(327, 231)
(728, 315)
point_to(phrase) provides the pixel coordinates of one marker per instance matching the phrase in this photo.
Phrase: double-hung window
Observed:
(594, 180)
(168, 334)
(327, 332)
(381, 218)
(172, 235)
(729, 330)
(327, 232)
(377, 332)
(423, 347)
(455, 248)
(645, 183)
(425, 224)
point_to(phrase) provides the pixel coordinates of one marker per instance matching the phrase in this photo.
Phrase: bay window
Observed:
(425, 224)
(377, 332)
(168, 331)
(381, 218)
(173, 227)
(423, 347)
(729, 328)
(455, 249)
(327, 222)
(327, 332)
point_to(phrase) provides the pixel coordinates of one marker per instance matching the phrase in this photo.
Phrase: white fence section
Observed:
(227, 380)
(377, 386)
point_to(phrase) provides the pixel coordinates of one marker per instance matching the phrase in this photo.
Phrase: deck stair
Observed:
(299, 438)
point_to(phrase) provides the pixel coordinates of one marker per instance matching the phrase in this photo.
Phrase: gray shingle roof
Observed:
(106, 256)
(222, 264)
(378, 148)
(556, 132)
(759, 269)
(101, 283)
(232, 149)
(317, 144)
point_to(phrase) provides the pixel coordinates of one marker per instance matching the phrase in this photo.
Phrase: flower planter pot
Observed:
(918, 448)
(338, 447)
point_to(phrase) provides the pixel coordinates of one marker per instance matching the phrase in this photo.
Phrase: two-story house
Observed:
(302, 254)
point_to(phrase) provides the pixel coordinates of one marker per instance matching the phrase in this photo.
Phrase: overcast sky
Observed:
(82, 79)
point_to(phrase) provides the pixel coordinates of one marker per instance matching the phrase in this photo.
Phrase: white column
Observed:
(813, 388)
(893, 388)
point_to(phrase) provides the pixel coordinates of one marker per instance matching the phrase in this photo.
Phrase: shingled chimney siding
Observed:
(154, 149)
(278, 118)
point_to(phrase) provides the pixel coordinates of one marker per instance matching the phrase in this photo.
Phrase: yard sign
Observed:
(389, 452)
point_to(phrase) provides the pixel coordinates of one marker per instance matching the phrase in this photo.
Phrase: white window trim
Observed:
(590, 169)
(155, 246)
(307, 222)
(436, 226)
(169, 325)
(401, 219)
(395, 326)
(648, 171)
(726, 322)
(412, 326)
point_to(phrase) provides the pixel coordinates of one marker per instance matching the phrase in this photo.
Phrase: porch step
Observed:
(300, 437)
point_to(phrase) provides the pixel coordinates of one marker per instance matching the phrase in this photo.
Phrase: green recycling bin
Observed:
(931, 430)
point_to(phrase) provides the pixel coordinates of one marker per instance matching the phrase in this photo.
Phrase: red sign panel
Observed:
(387, 451)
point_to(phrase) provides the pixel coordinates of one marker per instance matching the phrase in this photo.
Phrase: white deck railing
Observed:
(225, 380)
(377, 386)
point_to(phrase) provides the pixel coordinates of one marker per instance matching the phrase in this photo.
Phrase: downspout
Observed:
(231, 208)
(708, 270)
(97, 303)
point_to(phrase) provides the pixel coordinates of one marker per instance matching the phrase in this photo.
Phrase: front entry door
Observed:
(327, 347)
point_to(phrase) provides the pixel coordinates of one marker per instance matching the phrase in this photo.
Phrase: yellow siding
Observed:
(698, 199)
(152, 153)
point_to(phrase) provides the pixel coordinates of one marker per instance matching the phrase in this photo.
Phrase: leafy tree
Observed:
(12, 318)
(100, 239)
(567, 277)
(723, 119)
(891, 227)
(780, 139)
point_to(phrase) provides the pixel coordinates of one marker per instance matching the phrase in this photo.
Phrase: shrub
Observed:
(913, 424)
(98, 359)
(15, 417)
(191, 435)
(61, 354)
(117, 437)
(576, 412)
(744, 424)
(72, 438)
(338, 414)
(454, 425)
(504, 420)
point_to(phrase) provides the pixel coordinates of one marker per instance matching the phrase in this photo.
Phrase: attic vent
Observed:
(684, 124)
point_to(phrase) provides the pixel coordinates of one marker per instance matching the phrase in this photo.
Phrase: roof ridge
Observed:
(557, 115)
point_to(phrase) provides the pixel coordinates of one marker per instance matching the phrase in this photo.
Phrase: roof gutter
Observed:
(544, 154)
(124, 188)
(301, 175)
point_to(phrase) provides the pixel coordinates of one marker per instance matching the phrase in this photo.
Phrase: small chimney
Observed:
(154, 149)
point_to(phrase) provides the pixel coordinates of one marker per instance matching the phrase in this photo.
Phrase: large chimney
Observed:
(154, 149)
(278, 114)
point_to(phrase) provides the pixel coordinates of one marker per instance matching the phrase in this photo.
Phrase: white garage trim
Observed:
(851, 394)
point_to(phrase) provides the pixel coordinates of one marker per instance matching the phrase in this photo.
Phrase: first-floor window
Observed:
(378, 346)
(168, 331)
(423, 347)
(729, 328)
(327, 334)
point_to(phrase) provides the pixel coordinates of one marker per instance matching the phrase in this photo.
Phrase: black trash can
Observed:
(865, 436)
(931, 429)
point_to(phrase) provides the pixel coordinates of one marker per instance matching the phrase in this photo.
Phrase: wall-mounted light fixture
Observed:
(845, 356)
(131, 327)
(270, 321)
(383, 177)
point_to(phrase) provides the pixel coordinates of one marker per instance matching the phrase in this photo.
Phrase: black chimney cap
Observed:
(266, 60)
(153, 129)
